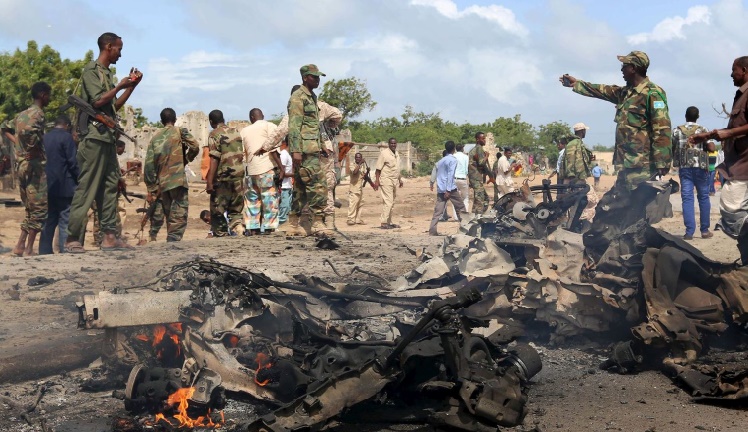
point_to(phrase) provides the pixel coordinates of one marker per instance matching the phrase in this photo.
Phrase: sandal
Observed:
(74, 247)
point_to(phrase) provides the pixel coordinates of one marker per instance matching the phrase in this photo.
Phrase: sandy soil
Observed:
(570, 394)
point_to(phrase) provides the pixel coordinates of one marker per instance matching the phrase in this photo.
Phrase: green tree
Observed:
(511, 132)
(547, 136)
(349, 95)
(601, 148)
(21, 69)
(140, 119)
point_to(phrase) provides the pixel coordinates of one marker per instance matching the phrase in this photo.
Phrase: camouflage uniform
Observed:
(225, 144)
(477, 168)
(643, 130)
(170, 149)
(7, 159)
(643, 145)
(97, 160)
(30, 161)
(330, 116)
(310, 186)
(576, 164)
(156, 221)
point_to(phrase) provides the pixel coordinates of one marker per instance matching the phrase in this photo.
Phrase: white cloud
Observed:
(443, 56)
(520, 72)
(500, 15)
(672, 28)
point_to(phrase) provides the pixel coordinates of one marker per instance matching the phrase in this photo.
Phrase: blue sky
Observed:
(469, 60)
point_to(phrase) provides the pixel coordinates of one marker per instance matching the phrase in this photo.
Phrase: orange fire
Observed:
(232, 341)
(170, 332)
(179, 401)
(262, 363)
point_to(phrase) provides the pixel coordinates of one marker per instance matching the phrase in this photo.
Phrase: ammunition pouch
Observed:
(685, 158)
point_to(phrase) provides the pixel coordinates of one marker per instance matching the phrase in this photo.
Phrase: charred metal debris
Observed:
(283, 343)
(313, 351)
(615, 273)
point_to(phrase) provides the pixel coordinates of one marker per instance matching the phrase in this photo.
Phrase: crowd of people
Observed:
(265, 177)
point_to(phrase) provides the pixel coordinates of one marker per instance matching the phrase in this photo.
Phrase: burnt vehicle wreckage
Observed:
(244, 332)
(313, 351)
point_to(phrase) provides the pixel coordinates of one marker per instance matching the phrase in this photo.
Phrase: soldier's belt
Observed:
(685, 158)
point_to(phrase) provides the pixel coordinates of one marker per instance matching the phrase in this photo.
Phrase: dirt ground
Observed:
(570, 394)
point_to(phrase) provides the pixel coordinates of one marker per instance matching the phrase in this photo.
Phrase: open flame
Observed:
(166, 338)
(232, 341)
(262, 363)
(179, 402)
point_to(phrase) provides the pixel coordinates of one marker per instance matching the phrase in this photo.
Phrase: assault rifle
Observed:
(87, 113)
(147, 215)
(367, 179)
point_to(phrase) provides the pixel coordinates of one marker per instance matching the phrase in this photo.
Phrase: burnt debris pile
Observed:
(287, 345)
(438, 345)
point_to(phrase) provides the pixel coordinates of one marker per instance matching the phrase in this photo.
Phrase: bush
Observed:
(423, 169)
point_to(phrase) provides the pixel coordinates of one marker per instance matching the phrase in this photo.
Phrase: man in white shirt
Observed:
(261, 198)
(558, 172)
(504, 179)
(286, 184)
(332, 118)
(461, 173)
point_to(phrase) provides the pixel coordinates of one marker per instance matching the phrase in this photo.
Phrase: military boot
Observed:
(291, 227)
(298, 225)
(305, 225)
(321, 228)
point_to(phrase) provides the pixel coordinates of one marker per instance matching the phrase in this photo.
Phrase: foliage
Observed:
(601, 148)
(141, 120)
(349, 95)
(21, 69)
(547, 137)
(428, 132)
(423, 168)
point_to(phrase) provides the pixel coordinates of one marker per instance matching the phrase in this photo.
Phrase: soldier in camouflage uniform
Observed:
(97, 159)
(170, 149)
(225, 177)
(310, 186)
(7, 160)
(478, 166)
(643, 146)
(156, 221)
(577, 161)
(30, 161)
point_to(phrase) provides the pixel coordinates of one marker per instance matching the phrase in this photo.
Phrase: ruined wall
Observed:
(195, 121)
(199, 126)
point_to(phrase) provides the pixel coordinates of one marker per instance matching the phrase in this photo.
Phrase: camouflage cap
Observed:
(310, 69)
(636, 58)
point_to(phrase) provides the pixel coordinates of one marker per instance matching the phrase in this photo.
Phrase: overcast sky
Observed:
(470, 60)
